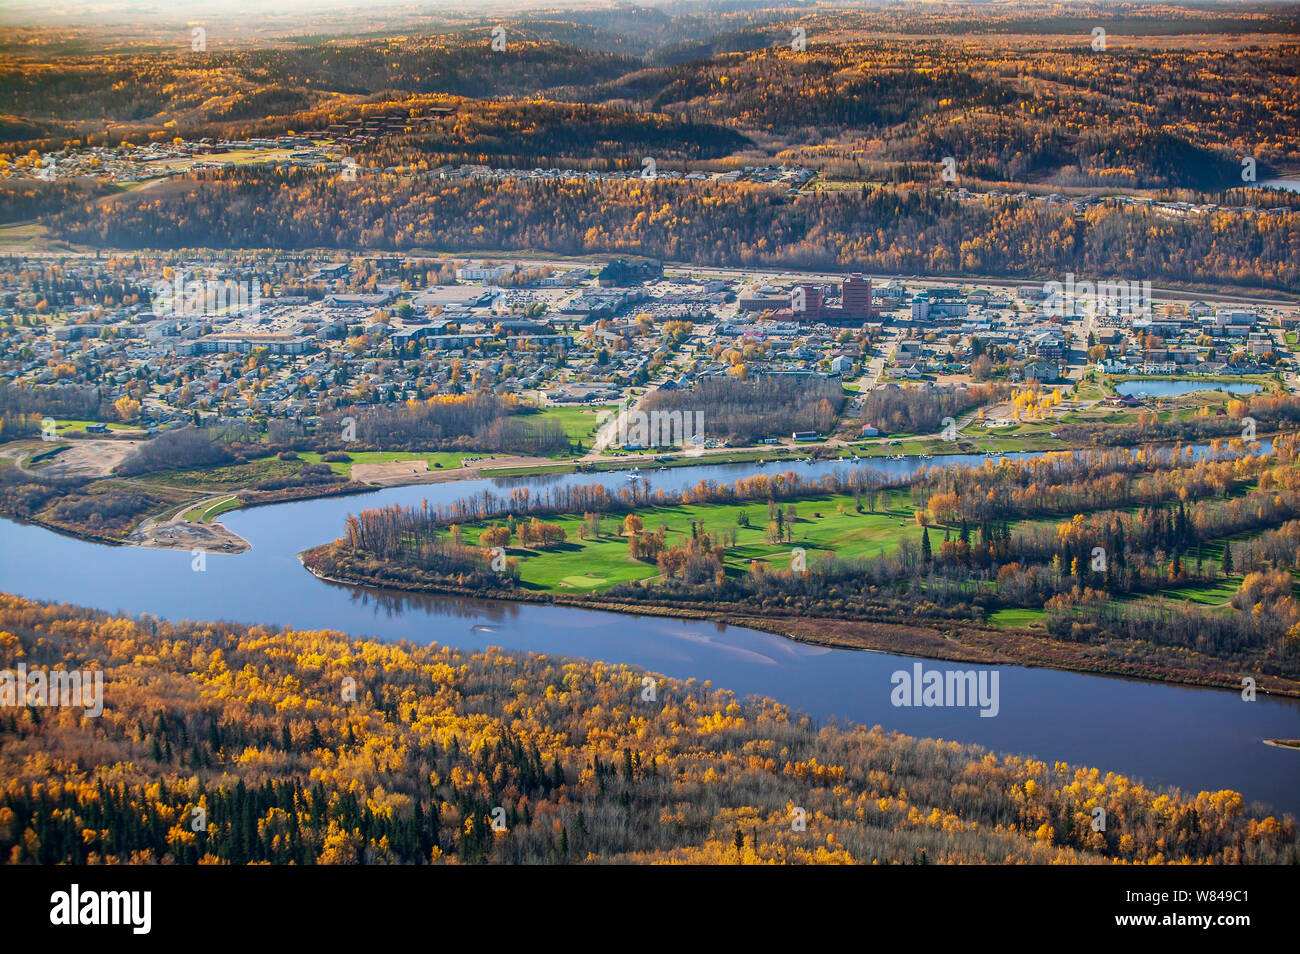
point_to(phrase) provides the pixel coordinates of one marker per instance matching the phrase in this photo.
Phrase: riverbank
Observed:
(947, 641)
(401, 474)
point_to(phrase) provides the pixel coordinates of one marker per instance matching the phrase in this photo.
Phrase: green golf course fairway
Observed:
(596, 564)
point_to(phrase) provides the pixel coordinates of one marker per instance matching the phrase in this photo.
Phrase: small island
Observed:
(1118, 561)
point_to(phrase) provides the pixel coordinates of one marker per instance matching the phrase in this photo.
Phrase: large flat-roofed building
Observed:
(484, 273)
(938, 303)
(854, 307)
(759, 299)
(245, 344)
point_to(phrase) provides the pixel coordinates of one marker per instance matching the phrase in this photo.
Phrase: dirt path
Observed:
(399, 473)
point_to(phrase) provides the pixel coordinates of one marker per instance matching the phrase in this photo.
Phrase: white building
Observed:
(484, 273)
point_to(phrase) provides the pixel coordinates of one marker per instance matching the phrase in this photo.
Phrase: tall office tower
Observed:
(856, 298)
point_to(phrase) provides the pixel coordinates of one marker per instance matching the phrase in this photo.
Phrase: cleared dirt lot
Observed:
(398, 472)
(83, 458)
(177, 533)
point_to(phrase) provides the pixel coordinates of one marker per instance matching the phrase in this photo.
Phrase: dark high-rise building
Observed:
(806, 302)
(855, 298)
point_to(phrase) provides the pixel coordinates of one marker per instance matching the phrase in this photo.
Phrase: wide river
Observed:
(1193, 738)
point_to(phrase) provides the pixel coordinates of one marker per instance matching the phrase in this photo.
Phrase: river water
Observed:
(1193, 738)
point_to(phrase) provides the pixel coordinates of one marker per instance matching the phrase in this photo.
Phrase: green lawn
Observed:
(579, 423)
(1016, 618)
(1088, 391)
(1211, 595)
(819, 529)
(203, 514)
(436, 459)
(62, 426)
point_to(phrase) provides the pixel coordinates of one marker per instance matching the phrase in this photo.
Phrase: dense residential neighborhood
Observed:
(292, 336)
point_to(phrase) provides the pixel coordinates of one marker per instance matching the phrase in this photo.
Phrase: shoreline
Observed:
(749, 456)
(923, 639)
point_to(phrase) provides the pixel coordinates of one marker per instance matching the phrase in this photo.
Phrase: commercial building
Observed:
(484, 273)
(806, 302)
(855, 298)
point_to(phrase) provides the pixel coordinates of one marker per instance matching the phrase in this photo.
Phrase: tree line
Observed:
(228, 744)
(891, 229)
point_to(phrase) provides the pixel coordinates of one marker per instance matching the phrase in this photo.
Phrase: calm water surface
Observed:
(1172, 388)
(1193, 738)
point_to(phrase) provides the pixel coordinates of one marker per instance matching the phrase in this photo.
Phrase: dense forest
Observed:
(228, 744)
(888, 230)
(921, 411)
(28, 198)
(481, 421)
(524, 135)
(746, 410)
(77, 401)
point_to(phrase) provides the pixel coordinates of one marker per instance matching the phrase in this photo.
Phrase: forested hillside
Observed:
(309, 747)
(886, 230)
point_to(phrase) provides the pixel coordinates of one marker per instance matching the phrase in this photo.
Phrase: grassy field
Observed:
(973, 440)
(436, 459)
(771, 455)
(21, 234)
(579, 423)
(202, 514)
(1016, 618)
(529, 471)
(820, 529)
(1212, 595)
(221, 478)
(62, 426)
(1206, 595)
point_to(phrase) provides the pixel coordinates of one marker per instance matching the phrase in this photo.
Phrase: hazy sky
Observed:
(117, 11)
